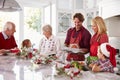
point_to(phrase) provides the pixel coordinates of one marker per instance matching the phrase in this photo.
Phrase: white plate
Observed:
(66, 49)
(73, 50)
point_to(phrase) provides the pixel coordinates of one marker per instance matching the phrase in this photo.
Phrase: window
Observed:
(64, 22)
(62, 4)
(32, 24)
(78, 4)
(89, 18)
(13, 17)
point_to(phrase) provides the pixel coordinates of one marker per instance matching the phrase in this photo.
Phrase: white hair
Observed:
(8, 26)
(47, 28)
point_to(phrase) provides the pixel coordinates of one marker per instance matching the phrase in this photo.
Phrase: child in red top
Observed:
(28, 48)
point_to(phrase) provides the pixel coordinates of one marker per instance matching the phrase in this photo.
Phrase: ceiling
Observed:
(9, 5)
(34, 3)
(17, 5)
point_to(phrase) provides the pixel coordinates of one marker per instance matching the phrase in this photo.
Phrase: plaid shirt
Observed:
(105, 65)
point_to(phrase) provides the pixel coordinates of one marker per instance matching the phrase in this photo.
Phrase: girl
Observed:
(26, 43)
(27, 48)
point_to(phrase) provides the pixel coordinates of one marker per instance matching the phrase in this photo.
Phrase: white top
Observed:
(5, 36)
(50, 46)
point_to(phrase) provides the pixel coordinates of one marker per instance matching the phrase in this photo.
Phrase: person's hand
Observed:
(15, 50)
(91, 65)
(96, 68)
(2, 51)
(66, 45)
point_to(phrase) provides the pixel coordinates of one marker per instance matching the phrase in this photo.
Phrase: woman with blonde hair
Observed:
(100, 34)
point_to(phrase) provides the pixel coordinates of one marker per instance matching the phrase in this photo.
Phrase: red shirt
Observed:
(7, 43)
(81, 38)
(85, 38)
(102, 38)
(96, 40)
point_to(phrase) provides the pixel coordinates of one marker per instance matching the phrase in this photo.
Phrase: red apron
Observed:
(74, 56)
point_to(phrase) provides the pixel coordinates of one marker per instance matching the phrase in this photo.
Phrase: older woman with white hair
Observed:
(49, 44)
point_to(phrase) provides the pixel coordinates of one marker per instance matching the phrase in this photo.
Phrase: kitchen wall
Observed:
(113, 26)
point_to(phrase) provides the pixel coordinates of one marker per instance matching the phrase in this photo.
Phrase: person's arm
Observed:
(84, 50)
(91, 65)
(67, 40)
(96, 68)
(86, 41)
(107, 67)
(2, 51)
(66, 45)
(103, 38)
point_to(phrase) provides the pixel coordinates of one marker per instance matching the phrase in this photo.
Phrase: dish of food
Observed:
(73, 50)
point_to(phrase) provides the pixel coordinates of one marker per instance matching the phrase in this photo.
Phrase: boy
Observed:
(106, 59)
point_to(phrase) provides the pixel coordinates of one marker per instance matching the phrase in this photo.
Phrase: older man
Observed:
(7, 40)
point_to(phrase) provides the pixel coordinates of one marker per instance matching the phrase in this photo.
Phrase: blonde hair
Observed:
(7, 27)
(47, 28)
(100, 23)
